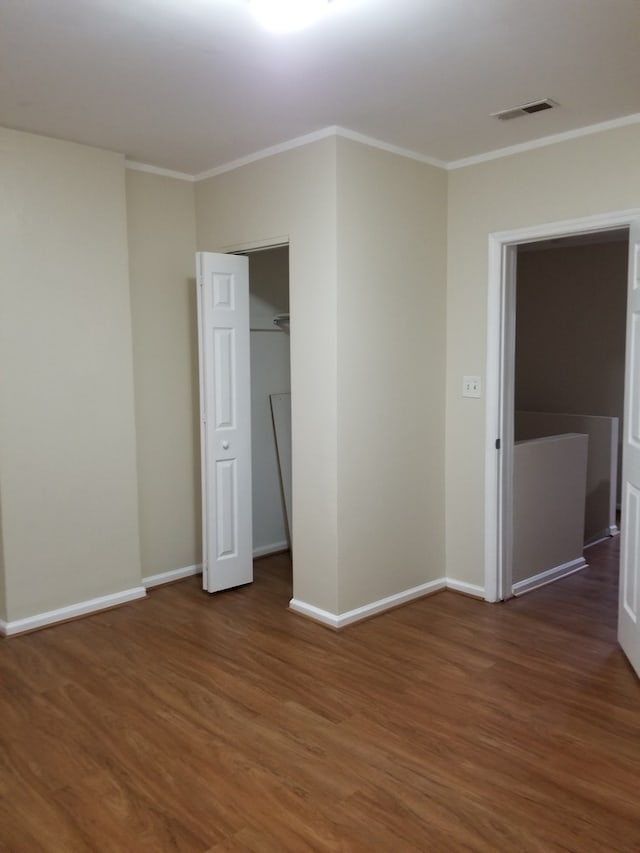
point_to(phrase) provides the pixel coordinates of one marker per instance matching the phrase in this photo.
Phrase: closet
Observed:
(270, 398)
(244, 374)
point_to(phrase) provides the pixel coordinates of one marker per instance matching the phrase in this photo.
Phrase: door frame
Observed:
(248, 248)
(500, 376)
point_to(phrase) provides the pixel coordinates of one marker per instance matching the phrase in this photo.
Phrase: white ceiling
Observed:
(190, 85)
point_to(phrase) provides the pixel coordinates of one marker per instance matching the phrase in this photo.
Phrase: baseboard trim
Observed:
(170, 576)
(63, 614)
(341, 620)
(274, 548)
(597, 541)
(465, 588)
(549, 576)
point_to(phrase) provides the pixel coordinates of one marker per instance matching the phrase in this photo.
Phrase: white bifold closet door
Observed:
(629, 610)
(225, 428)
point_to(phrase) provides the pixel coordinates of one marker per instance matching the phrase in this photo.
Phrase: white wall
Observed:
(270, 374)
(602, 460)
(162, 243)
(67, 435)
(391, 344)
(292, 196)
(590, 175)
(549, 479)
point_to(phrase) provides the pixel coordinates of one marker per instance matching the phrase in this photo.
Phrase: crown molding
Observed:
(156, 170)
(345, 133)
(544, 141)
(298, 142)
(391, 149)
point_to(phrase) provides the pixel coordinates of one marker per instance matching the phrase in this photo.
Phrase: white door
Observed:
(629, 610)
(225, 428)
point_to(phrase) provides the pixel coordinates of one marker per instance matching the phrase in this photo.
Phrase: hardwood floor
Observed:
(193, 723)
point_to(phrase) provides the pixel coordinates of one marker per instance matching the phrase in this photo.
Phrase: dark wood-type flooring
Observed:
(194, 723)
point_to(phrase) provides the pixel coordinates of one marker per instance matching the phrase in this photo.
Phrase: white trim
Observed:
(62, 614)
(549, 576)
(157, 170)
(492, 551)
(467, 588)
(274, 548)
(256, 245)
(170, 576)
(596, 541)
(543, 142)
(345, 133)
(614, 530)
(298, 142)
(316, 136)
(340, 620)
(494, 418)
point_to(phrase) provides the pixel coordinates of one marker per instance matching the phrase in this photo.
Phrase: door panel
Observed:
(225, 394)
(629, 618)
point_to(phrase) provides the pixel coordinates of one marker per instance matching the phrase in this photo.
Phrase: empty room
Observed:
(243, 605)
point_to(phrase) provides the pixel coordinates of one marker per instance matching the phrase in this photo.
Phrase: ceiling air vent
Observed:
(524, 109)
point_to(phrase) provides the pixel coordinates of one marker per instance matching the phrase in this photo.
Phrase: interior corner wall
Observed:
(67, 434)
(292, 196)
(589, 175)
(391, 350)
(162, 243)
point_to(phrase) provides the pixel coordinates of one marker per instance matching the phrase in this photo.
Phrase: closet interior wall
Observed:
(270, 374)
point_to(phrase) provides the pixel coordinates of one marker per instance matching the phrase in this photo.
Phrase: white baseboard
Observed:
(466, 588)
(274, 548)
(62, 614)
(339, 620)
(172, 575)
(597, 541)
(549, 576)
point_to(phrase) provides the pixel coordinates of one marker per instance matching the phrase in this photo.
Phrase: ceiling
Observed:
(191, 85)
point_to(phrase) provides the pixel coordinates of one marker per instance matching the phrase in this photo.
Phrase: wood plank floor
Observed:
(193, 723)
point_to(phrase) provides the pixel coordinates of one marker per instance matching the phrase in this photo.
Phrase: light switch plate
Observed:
(471, 386)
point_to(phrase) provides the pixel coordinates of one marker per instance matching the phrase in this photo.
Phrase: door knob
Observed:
(225, 445)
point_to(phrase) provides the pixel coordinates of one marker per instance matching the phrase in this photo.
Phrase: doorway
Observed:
(500, 384)
(230, 313)
(570, 330)
(270, 394)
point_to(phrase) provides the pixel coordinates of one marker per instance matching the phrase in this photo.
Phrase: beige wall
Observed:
(67, 437)
(590, 175)
(292, 196)
(3, 594)
(570, 332)
(161, 230)
(367, 273)
(391, 346)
